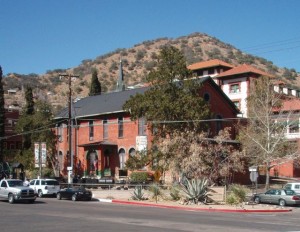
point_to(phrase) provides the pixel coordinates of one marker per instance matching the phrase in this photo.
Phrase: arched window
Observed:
(92, 162)
(132, 152)
(122, 158)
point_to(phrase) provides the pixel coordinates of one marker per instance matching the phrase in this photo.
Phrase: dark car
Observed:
(281, 197)
(74, 193)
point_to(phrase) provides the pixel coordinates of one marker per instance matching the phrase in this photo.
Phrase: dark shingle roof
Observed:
(100, 104)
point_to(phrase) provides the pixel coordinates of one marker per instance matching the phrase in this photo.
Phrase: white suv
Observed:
(293, 186)
(44, 186)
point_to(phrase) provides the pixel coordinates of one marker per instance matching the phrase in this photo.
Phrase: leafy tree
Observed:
(2, 116)
(95, 87)
(263, 137)
(172, 103)
(37, 128)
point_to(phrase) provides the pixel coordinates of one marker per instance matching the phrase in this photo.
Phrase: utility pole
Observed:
(70, 168)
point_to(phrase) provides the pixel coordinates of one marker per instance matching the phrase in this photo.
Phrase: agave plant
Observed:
(196, 190)
(138, 193)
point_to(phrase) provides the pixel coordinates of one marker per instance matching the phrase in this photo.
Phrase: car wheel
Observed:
(40, 193)
(257, 200)
(11, 199)
(58, 196)
(282, 202)
(74, 198)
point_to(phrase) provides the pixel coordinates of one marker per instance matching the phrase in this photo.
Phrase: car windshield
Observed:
(14, 183)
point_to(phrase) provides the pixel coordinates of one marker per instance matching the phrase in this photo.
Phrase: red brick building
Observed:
(103, 136)
(11, 141)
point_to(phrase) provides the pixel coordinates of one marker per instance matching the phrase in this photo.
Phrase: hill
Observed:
(137, 62)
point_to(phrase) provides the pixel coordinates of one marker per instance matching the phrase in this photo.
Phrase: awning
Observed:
(99, 143)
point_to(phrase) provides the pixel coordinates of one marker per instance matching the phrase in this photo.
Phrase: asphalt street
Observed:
(50, 214)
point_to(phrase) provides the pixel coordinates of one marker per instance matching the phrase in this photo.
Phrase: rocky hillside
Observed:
(137, 62)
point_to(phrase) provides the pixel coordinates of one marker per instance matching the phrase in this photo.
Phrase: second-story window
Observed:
(142, 126)
(294, 127)
(105, 129)
(234, 88)
(120, 127)
(91, 130)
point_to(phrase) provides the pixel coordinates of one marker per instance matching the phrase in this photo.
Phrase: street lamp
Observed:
(70, 168)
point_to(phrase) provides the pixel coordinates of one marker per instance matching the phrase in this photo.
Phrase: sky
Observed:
(41, 35)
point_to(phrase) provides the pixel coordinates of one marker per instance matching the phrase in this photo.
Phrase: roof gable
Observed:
(242, 69)
(209, 64)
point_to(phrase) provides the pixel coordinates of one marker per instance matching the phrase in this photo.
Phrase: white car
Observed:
(293, 186)
(43, 187)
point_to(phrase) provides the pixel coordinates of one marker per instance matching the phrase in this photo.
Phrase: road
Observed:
(50, 214)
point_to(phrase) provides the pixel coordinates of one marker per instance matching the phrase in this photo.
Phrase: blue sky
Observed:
(41, 35)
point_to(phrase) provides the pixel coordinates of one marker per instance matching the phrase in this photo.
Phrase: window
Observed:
(132, 152)
(105, 129)
(142, 126)
(294, 127)
(234, 88)
(91, 130)
(122, 158)
(60, 133)
(120, 127)
(237, 104)
(206, 97)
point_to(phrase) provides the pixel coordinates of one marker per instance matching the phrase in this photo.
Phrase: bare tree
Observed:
(196, 155)
(263, 136)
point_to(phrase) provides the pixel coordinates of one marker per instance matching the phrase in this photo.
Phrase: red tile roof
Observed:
(244, 68)
(208, 64)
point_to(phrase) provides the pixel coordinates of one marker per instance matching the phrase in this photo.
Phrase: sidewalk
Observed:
(124, 197)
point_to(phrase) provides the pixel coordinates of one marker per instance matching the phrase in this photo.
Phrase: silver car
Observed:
(281, 197)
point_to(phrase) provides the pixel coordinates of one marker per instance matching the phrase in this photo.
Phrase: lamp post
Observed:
(70, 168)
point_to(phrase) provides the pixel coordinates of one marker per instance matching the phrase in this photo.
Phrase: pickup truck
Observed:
(14, 190)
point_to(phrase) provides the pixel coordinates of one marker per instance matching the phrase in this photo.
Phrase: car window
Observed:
(271, 192)
(14, 183)
(37, 182)
(3, 184)
(297, 186)
(290, 192)
(52, 182)
(288, 186)
(278, 192)
(32, 182)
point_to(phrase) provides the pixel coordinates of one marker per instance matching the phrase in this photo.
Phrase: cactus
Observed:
(196, 190)
(138, 193)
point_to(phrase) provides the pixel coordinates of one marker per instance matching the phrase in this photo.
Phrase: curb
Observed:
(195, 209)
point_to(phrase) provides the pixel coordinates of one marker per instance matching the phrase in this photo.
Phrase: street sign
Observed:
(253, 176)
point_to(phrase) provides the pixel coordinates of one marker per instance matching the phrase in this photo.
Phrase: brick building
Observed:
(103, 136)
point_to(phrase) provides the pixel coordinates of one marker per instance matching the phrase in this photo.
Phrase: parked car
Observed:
(14, 190)
(43, 187)
(295, 186)
(281, 197)
(74, 193)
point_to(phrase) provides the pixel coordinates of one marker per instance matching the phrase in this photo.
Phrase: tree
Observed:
(196, 155)
(37, 127)
(173, 102)
(95, 87)
(2, 116)
(29, 107)
(263, 136)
